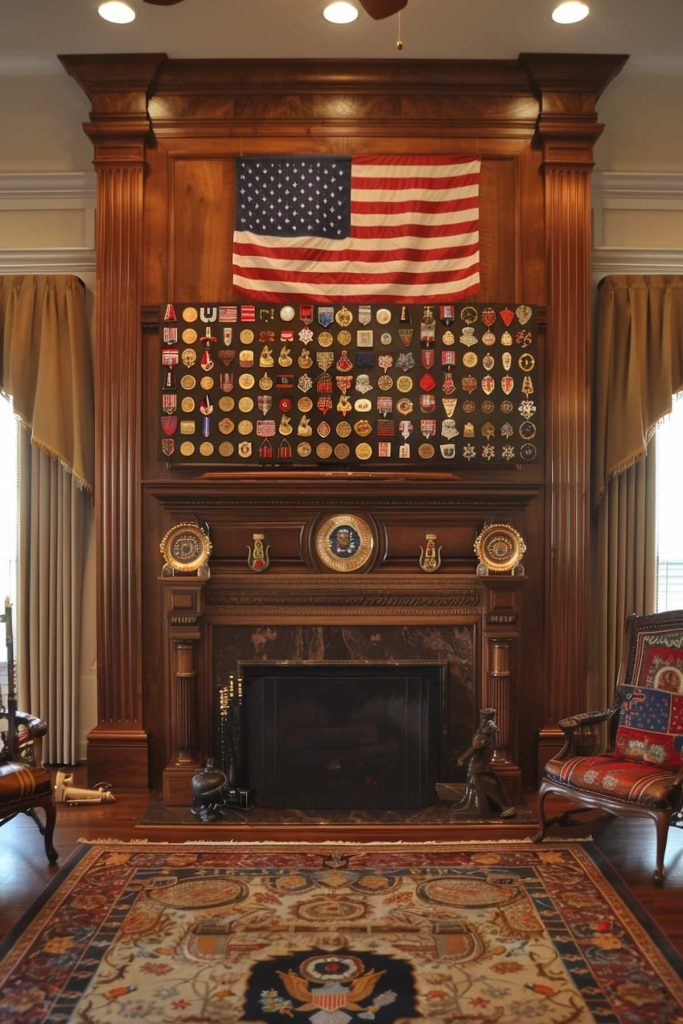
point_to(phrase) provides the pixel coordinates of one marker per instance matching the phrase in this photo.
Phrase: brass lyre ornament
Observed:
(430, 555)
(258, 558)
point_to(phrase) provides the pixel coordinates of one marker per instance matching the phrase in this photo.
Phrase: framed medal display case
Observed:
(376, 385)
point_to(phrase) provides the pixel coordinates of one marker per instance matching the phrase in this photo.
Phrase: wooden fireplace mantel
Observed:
(165, 134)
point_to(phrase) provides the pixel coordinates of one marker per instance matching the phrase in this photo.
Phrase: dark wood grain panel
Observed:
(201, 214)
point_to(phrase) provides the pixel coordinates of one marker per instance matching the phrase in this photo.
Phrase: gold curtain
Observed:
(46, 369)
(638, 366)
(46, 366)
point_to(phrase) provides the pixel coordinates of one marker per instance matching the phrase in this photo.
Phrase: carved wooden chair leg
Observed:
(542, 824)
(662, 823)
(30, 812)
(48, 831)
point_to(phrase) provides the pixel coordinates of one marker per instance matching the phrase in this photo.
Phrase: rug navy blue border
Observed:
(65, 870)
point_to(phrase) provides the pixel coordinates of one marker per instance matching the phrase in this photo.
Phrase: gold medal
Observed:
(189, 335)
(304, 404)
(404, 384)
(344, 317)
(189, 314)
(303, 449)
(187, 382)
(226, 403)
(245, 427)
(363, 451)
(187, 404)
(345, 337)
(426, 451)
(245, 404)
(226, 449)
(187, 448)
(343, 428)
(206, 448)
(325, 339)
(246, 336)
(342, 452)
(385, 382)
(187, 427)
(324, 450)
(265, 383)
(246, 381)
(206, 383)
(526, 362)
(226, 425)
(470, 359)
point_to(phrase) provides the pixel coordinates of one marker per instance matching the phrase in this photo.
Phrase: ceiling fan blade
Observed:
(382, 8)
(163, 3)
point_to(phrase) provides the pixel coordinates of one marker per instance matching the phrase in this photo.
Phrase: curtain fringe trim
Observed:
(81, 483)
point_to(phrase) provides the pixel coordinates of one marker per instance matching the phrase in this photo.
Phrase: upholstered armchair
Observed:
(628, 760)
(24, 784)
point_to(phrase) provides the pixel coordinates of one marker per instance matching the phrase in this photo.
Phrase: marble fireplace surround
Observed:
(466, 626)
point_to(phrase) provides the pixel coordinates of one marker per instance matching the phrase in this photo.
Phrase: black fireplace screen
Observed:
(337, 737)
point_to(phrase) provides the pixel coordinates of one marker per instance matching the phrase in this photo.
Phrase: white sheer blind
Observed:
(670, 508)
(9, 491)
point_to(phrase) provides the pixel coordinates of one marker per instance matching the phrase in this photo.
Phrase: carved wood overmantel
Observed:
(165, 135)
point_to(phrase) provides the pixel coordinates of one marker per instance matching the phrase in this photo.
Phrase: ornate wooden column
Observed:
(568, 87)
(184, 608)
(500, 685)
(118, 87)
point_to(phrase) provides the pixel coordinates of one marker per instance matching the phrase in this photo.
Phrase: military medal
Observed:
(449, 429)
(364, 315)
(507, 384)
(227, 314)
(488, 316)
(488, 384)
(325, 316)
(306, 314)
(507, 316)
(427, 358)
(526, 362)
(469, 315)
(469, 384)
(169, 313)
(169, 424)
(325, 339)
(467, 337)
(447, 315)
(448, 385)
(209, 314)
(427, 403)
(189, 314)
(406, 335)
(305, 335)
(344, 317)
(170, 335)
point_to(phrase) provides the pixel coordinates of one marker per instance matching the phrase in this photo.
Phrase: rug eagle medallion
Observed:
(338, 933)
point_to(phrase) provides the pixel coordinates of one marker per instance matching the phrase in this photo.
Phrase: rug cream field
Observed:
(497, 932)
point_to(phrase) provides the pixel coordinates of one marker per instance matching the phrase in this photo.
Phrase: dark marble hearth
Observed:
(441, 813)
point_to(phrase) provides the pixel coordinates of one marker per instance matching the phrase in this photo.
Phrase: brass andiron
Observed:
(66, 793)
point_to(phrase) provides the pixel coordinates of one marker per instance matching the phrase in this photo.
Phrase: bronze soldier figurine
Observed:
(483, 786)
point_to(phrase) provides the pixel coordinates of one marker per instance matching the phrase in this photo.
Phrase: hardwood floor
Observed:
(24, 869)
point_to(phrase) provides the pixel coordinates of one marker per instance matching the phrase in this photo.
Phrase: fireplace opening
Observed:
(342, 736)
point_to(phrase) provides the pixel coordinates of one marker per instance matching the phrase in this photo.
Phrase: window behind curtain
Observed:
(670, 508)
(9, 492)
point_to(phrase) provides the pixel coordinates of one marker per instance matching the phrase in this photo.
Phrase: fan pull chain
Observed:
(399, 41)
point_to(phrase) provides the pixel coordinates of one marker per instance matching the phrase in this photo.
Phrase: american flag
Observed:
(361, 229)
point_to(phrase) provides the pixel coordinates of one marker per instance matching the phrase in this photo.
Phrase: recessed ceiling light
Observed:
(570, 11)
(340, 13)
(116, 11)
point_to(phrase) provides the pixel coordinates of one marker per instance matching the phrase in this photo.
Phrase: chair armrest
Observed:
(573, 725)
(36, 726)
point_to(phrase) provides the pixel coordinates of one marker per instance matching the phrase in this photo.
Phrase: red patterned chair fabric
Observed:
(24, 786)
(641, 771)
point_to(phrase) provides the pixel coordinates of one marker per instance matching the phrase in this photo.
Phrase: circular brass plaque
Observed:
(185, 547)
(499, 547)
(344, 542)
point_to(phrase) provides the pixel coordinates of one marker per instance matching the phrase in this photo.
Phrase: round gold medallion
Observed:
(343, 428)
(265, 382)
(226, 403)
(470, 359)
(499, 548)
(245, 427)
(226, 449)
(344, 338)
(325, 339)
(185, 548)
(426, 451)
(226, 426)
(247, 381)
(206, 448)
(344, 543)
(187, 448)
(245, 404)
(342, 452)
(404, 384)
(324, 450)
(206, 383)
(303, 449)
(189, 335)
(189, 314)
(364, 451)
(187, 404)
(187, 382)
(246, 336)
(304, 404)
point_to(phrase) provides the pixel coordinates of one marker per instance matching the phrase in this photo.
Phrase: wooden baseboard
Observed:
(120, 757)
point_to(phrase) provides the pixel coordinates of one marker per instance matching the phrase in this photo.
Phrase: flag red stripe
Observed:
(416, 230)
(294, 254)
(360, 183)
(427, 159)
(388, 277)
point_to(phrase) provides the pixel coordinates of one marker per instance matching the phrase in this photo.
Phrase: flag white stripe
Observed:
(280, 245)
(352, 267)
(417, 291)
(411, 217)
(375, 195)
(361, 170)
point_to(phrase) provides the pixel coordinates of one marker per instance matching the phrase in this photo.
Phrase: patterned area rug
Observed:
(335, 933)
